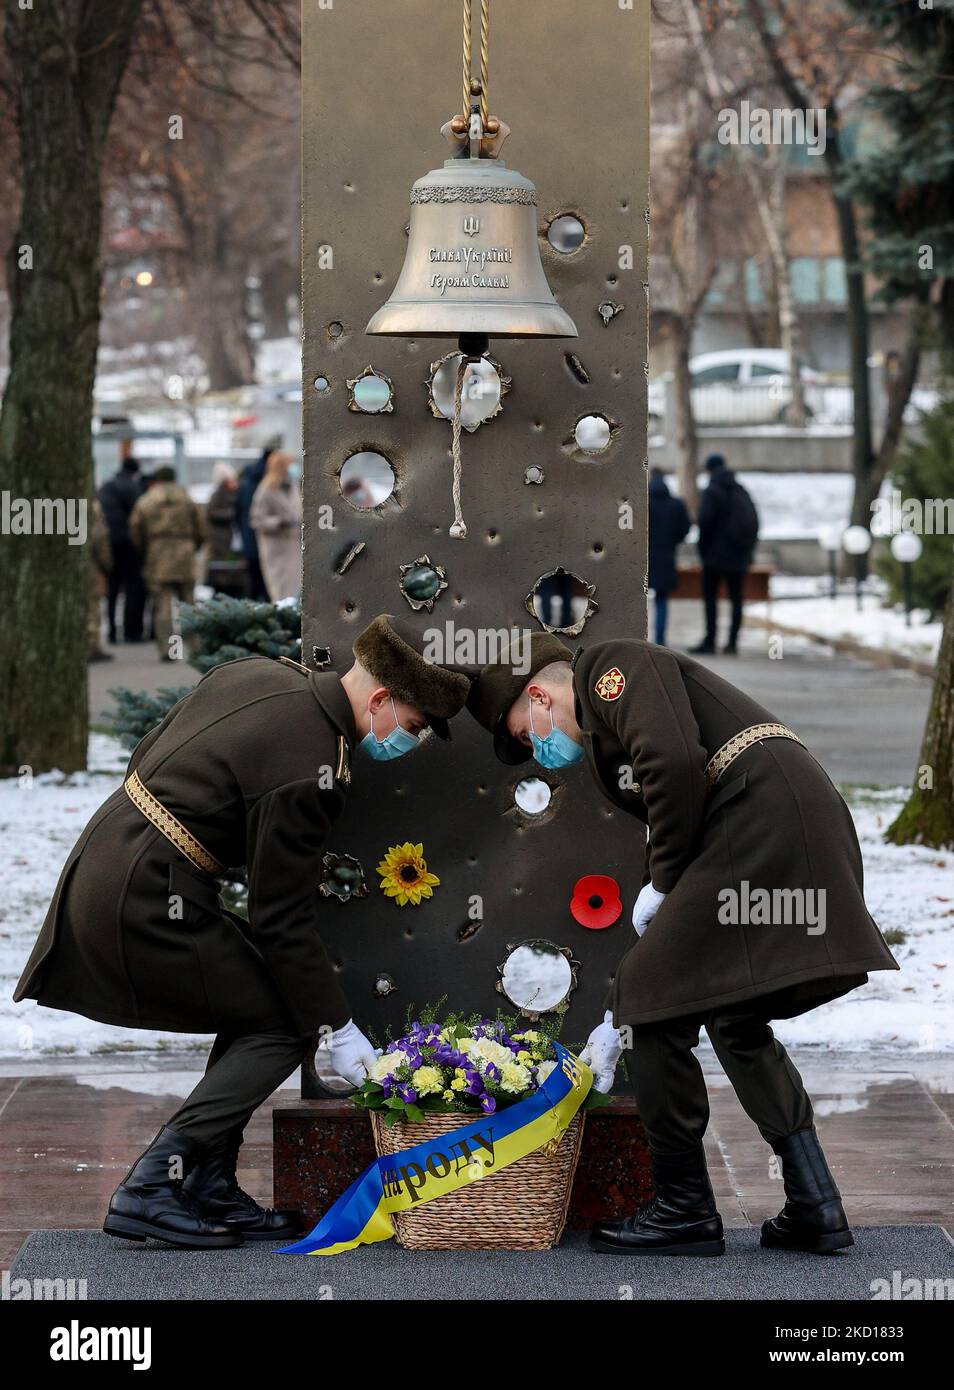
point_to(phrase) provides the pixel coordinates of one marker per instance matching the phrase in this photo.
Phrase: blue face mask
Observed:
(557, 749)
(395, 745)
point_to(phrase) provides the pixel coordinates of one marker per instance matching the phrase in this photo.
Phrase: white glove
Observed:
(351, 1053)
(647, 905)
(602, 1052)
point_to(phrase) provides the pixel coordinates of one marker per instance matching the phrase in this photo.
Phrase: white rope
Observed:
(458, 530)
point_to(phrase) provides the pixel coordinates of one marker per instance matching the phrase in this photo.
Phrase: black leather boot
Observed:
(680, 1220)
(213, 1186)
(813, 1217)
(151, 1202)
(704, 648)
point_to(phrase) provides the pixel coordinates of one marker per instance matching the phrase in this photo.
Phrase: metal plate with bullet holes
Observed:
(510, 871)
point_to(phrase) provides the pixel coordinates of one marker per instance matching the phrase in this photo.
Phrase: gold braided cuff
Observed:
(739, 742)
(166, 823)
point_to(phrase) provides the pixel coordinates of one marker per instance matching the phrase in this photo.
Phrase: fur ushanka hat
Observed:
(391, 650)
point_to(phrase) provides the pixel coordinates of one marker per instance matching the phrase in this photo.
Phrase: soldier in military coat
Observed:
(738, 810)
(251, 768)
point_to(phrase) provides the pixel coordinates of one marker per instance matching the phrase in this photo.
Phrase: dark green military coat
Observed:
(651, 720)
(255, 763)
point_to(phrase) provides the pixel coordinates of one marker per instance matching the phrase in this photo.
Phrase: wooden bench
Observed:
(755, 589)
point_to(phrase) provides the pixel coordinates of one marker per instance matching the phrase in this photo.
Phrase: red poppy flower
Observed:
(596, 901)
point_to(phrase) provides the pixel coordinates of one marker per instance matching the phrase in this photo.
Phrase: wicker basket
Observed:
(523, 1207)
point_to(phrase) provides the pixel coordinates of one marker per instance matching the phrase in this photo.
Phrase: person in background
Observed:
(117, 497)
(668, 525)
(168, 528)
(276, 515)
(728, 533)
(247, 487)
(100, 569)
(226, 570)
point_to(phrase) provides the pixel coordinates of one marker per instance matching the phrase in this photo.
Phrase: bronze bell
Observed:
(472, 268)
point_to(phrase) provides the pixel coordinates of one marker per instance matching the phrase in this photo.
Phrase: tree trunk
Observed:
(771, 210)
(687, 441)
(928, 816)
(66, 63)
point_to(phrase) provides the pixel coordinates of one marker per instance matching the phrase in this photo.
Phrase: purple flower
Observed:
(407, 1093)
(488, 1105)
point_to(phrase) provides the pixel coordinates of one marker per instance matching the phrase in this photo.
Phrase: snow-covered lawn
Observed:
(873, 626)
(909, 889)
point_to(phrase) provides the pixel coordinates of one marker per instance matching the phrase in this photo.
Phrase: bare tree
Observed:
(62, 72)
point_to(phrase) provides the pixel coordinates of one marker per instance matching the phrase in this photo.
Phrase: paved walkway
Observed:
(69, 1129)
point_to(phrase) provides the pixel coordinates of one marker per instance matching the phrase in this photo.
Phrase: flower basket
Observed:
(521, 1207)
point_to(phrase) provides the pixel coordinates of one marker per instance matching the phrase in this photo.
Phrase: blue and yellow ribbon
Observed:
(398, 1182)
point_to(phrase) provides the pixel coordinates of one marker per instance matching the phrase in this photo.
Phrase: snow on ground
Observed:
(39, 825)
(882, 628)
(909, 889)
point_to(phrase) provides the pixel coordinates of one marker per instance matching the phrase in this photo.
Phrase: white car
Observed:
(739, 386)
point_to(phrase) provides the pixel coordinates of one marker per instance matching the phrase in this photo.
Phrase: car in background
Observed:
(738, 386)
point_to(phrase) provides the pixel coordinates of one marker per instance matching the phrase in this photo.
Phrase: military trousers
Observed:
(242, 1072)
(670, 1087)
(163, 595)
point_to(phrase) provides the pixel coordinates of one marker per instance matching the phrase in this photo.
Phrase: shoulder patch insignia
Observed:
(610, 684)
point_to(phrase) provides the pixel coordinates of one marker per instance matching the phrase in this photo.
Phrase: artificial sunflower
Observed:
(404, 875)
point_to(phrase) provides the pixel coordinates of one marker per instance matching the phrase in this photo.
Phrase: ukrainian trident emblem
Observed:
(471, 224)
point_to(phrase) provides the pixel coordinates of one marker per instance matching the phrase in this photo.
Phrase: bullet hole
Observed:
(593, 433)
(469, 929)
(562, 601)
(347, 557)
(481, 788)
(493, 535)
(348, 608)
(407, 229)
(378, 277)
(321, 657)
(538, 425)
(576, 368)
(611, 279)
(349, 187)
(608, 310)
(458, 600)
(597, 547)
(383, 986)
(534, 474)
(471, 861)
(334, 329)
(322, 384)
(366, 479)
(516, 890)
(624, 206)
(408, 933)
(566, 233)
(532, 795)
(342, 877)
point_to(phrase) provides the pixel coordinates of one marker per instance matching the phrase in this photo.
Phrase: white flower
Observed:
(514, 1077)
(494, 1052)
(543, 1071)
(387, 1065)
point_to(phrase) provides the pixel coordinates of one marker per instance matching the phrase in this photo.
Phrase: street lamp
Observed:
(829, 538)
(906, 547)
(856, 541)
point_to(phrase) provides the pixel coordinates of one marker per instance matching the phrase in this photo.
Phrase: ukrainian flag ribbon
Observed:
(398, 1182)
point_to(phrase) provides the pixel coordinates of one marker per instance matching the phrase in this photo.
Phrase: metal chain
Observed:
(484, 56)
(458, 530)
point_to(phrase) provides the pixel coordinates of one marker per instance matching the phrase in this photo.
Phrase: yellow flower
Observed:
(404, 875)
(448, 1095)
(458, 1083)
(523, 1056)
(426, 1080)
